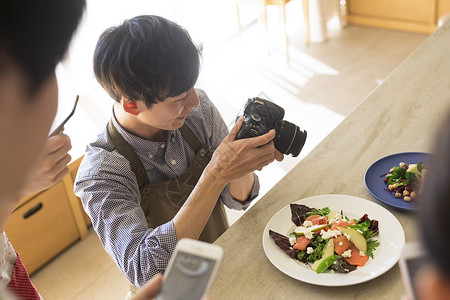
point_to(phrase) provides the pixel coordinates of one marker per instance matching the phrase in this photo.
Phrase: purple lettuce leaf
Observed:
(299, 213)
(283, 242)
(342, 266)
(373, 224)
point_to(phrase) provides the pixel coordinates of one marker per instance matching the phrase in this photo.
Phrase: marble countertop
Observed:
(401, 115)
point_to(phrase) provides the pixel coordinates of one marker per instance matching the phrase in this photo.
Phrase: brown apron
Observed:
(161, 201)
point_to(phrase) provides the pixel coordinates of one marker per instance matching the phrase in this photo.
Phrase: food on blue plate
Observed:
(404, 181)
(327, 240)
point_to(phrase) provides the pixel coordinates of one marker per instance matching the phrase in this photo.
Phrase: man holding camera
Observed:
(157, 170)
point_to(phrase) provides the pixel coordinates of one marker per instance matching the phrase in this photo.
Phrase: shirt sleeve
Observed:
(111, 199)
(217, 133)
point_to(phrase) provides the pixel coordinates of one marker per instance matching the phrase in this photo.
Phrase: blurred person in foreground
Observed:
(432, 281)
(34, 35)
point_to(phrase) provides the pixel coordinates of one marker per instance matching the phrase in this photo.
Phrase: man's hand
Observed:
(152, 288)
(235, 158)
(278, 155)
(50, 167)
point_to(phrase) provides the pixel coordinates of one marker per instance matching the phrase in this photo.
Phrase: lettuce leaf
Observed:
(283, 242)
(342, 266)
(371, 246)
(373, 227)
(321, 212)
(299, 213)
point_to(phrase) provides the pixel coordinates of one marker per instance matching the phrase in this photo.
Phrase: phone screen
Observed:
(412, 260)
(413, 265)
(188, 278)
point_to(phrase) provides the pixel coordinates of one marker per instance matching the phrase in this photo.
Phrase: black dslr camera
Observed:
(261, 116)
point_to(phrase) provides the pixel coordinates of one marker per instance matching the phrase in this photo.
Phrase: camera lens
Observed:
(289, 139)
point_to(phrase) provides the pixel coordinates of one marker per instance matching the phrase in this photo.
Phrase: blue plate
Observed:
(375, 181)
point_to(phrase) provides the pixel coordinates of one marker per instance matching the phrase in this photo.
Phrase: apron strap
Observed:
(127, 151)
(190, 137)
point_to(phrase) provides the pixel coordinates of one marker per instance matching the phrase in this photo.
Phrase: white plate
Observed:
(391, 238)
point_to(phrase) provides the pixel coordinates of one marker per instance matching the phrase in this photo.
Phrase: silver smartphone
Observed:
(412, 259)
(191, 270)
(61, 126)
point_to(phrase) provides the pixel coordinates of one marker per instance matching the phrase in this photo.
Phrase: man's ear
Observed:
(130, 106)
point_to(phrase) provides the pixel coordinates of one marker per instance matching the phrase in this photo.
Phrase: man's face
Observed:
(172, 112)
(25, 121)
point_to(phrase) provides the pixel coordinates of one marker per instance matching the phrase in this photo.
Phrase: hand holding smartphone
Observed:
(61, 126)
(191, 270)
(412, 259)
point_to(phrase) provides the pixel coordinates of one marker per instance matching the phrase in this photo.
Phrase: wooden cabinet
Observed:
(410, 15)
(46, 223)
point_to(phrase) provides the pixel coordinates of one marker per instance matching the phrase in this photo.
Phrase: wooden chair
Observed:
(281, 3)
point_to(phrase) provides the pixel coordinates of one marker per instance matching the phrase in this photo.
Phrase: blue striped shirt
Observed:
(110, 194)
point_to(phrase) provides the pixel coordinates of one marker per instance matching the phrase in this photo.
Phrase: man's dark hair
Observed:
(35, 35)
(146, 58)
(435, 202)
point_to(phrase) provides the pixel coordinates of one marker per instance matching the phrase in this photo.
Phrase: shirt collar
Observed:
(141, 144)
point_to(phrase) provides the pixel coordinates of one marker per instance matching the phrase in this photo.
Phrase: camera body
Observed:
(260, 116)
